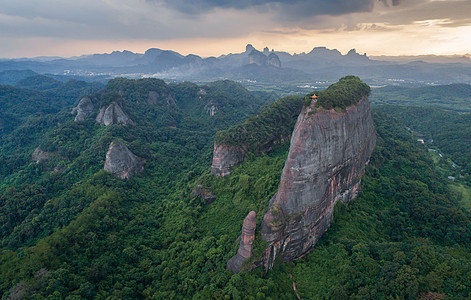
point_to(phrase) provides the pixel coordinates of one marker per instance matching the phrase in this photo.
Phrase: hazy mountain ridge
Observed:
(320, 63)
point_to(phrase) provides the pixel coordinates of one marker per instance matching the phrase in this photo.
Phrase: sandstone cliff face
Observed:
(247, 237)
(113, 114)
(326, 160)
(83, 109)
(122, 162)
(225, 157)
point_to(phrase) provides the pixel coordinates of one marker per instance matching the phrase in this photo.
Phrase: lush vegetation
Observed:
(273, 125)
(455, 97)
(69, 230)
(449, 132)
(347, 91)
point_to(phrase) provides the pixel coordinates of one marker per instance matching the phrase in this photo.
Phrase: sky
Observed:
(30, 28)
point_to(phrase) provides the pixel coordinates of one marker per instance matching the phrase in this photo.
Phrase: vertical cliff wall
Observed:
(327, 157)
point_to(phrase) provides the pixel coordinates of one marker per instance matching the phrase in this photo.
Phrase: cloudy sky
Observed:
(213, 27)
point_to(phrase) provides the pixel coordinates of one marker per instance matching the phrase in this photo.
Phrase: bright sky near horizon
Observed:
(66, 28)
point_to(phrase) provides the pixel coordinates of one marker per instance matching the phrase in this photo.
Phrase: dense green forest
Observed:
(273, 125)
(450, 131)
(70, 230)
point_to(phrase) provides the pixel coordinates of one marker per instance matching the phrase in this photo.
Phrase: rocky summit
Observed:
(326, 160)
(113, 114)
(122, 162)
(235, 264)
(83, 109)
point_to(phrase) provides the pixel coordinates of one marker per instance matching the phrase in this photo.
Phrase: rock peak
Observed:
(326, 160)
(247, 237)
(83, 109)
(249, 48)
(121, 161)
(113, 114)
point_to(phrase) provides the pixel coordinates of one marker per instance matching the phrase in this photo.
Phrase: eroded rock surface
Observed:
(122, 162)
(247, 237)
(326, 160)
(83, 109)
(211, 109)
(113, 114)
(225, 157)
(39, 155)
(203, 193)
(156, 98)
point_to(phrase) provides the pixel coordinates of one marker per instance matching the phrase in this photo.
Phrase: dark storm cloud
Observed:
(303, 7)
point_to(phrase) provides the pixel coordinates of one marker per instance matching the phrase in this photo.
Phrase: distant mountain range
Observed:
(253, 65)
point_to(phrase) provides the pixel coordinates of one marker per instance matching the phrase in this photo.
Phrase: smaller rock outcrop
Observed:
(264, 58)
(156, 98)
(83, 109)
(247, 237)
(225, 157)
(122, 162)
(211, 109)
(201, 192)
(39, 155)
(113, 114)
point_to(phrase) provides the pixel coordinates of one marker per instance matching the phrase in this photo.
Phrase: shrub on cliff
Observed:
(347, 91)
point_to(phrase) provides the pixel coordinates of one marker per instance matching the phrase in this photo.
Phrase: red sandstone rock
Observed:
(246, 241)
(326, 161)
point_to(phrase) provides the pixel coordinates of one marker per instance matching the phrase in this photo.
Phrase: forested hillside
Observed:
(450, 131)
(71, 230)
